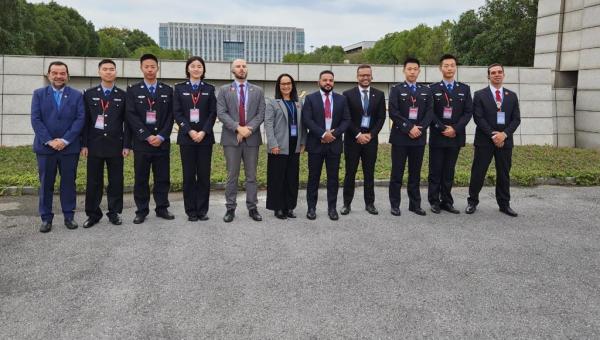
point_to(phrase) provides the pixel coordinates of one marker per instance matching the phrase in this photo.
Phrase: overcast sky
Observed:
(334, 22)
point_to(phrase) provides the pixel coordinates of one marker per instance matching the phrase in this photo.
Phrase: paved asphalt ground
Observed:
(439, 276)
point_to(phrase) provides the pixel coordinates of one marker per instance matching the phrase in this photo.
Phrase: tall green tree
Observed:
(321, 55)
(15, 36)
(160, 53)
(501, 31)
(121, 42)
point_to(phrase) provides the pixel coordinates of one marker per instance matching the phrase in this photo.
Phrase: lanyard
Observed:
(413, 100)
(195, 99)
(150, 103)
(104, 105)
(292, 110)
(447, 100)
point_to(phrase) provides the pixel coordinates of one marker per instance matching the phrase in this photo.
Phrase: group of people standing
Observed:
(105, 123)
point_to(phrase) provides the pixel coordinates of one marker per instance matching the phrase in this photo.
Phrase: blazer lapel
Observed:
(233, 99)
(284, 109)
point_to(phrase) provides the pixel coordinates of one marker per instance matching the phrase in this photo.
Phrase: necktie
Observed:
(498, 97)
(449, 86)
(107, 93)
(413, 89)
(151, 89)
(327, 106)
(242, 108)
(195, 87)
(57, 97)
(365, 101)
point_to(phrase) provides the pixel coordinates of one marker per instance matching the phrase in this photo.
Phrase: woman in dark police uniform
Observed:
(195, 111)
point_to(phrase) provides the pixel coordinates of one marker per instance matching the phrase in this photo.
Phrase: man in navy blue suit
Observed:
(326, 116)
(57, 118)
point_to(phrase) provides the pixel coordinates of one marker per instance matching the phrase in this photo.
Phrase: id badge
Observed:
(294, 130)
(151, 117)
(194, 115)
(447, 112)
(501, 118)
(413, 113)
(99, 122)
(365, 122)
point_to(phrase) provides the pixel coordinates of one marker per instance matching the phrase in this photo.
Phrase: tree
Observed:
(15, 37)
(122, 42)
(160, 53)
(502, 31)
(321, 55)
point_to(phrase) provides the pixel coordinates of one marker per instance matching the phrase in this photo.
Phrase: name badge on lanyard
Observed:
(447, 109)
(195, 113)
(100, 118)
(150, 113)
(413, 111)
(501, 115)
(365, 122)
(292, 112)
(293, 130)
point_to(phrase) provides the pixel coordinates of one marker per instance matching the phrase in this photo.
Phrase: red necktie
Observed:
(327, 107)
(242, 108)
(498, 98)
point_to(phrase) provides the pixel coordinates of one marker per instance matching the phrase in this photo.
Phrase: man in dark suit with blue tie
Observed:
(326, 116)
(497, 115)
(57, 118)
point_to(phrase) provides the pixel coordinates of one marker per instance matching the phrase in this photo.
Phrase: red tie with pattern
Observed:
(498, 98)
(327, 107)
(242, 108)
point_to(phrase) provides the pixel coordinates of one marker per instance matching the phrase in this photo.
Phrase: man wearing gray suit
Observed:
(241, 109)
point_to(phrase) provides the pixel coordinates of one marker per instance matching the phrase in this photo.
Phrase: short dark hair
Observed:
(293, 95)
(411, 60)
(106, 61)
(191, 60)
(58, 63)
(494, 65)
(361, 66)
(448, 56)
(148, 56)
(326, 72)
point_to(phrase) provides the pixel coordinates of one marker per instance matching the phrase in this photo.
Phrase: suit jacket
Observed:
(228, 113)
(376, 110)
(400, 103)
(50, 122)
(485, 116)
(137, 105)
(462, 111)
(207, 104)
(277, 126)
(313, 117)
(116, 135)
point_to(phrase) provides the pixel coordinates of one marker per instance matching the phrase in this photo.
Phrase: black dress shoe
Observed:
(116, 220)
(90, 222)
(203, 217)
(449, 208)
(45, 227)
(345, 210)
(419, 211)
(395, 211)
(139, 219)
(193, 218)
(166, 214)
(470, 209)
(371, 209)
(70, 224)
(280, 214)
(255, 215)
(435, 208)
(508, 211)
(229, 215)
(311, 214)
(290, 214)
(333, 215)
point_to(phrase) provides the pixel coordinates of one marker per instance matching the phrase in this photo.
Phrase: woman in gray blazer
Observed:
(285, 141)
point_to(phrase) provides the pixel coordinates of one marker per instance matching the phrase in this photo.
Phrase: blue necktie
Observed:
(107, 93)
(413, 89)
(57, 97)
(195, 87)
(449, 86)
(151, 89)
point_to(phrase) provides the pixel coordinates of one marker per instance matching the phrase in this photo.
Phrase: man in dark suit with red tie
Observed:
(497, 115)
(326, 116)
(367, 111)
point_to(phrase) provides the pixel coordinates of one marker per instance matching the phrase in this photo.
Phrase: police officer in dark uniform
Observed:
(411, 111)
(150, 117)
(195, 111)
(105, 139)
(453, 109)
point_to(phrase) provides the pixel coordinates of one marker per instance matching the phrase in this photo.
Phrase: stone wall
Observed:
(547, 113)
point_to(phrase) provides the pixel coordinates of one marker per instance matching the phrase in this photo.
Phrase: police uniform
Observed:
(451, 108)
(105, 135)
(195, 110)
(407, 109)
(143, 124)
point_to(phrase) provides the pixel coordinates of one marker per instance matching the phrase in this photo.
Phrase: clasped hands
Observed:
(363, 138)
(243, 132)
(154, 140)
(328, 137)
(57, 144)
(197, 136)
(498, 138)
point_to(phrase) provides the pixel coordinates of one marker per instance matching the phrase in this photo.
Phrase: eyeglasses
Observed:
(285, 84)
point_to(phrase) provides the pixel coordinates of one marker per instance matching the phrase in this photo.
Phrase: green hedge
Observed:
(532, 164)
